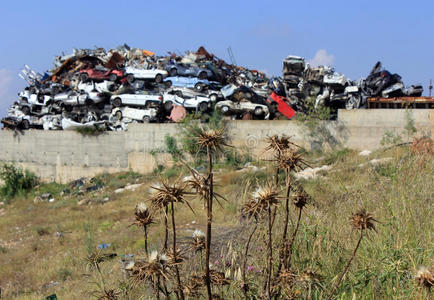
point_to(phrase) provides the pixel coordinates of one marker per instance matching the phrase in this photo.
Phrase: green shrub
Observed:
(16, 181)
(90, 131)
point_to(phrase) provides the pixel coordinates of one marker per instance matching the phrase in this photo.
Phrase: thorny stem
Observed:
(284, 254)
(157, 288)
(270, 255)
(178, 279)
(246, 252)
(291, 242)
(346, 268)
(146, 239)
(166, 228)
(100, 276)
(208, 226)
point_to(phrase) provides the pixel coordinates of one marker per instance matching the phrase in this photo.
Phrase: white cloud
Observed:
(322, 58)
(5, 82)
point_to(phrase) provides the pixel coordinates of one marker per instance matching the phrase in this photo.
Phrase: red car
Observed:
(96, 74)
(282, 105)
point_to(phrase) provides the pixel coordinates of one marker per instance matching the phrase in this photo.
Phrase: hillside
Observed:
(43, 242)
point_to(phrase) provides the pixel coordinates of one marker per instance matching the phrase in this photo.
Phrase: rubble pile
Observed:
(109, 89)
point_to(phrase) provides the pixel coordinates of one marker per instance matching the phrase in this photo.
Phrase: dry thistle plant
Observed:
(425, 278)
(361, 221)
(285, 281)
(264, 198)
(93, 261)
(109, 294)
(143, 218)
(213, 140)
(96, 257)
(309, 279)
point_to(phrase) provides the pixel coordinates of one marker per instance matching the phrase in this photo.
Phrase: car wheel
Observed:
(117, 102)
(130, 78)
(258, 111)
(173, 72)
(84, 77)
(159, 78)
(168, 105)
(113, 77)
(213, 97)
(25, 110)
(168, 83)
(199, 87)
(225, 109)
(100, 105)
(25, 124)
(203, 75)
(146, 119)
(179, 94)
(203, 107)
(118, 115)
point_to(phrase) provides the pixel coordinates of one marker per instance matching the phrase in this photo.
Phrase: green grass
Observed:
(398, 193)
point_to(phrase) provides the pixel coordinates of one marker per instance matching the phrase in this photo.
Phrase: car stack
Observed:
(110, 89)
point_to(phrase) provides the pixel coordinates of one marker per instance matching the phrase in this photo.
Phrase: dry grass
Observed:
(398, 193)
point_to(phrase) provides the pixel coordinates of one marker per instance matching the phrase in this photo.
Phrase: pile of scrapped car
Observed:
(337, 91)
(109, 89)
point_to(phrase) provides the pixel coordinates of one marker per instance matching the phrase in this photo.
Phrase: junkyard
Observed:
(110, 89)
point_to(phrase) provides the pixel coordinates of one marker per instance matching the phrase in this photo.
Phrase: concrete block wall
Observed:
(66, 155)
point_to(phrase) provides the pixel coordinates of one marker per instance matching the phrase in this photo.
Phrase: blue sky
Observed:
(350, 35)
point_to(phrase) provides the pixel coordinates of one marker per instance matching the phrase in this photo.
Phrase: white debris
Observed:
(311, 172)
(378, 161)
(133, 187)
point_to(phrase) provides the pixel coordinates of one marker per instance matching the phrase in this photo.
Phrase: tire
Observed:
(130, 78)
(198, 87)
(25, 110)
(159, 78)
(202, 75)
(168, 105)
(101, 105)
(173, 72)
(168, 83)
(203, 106)
(146, 119)
(84, 77)
(213, 97)
(68, 108)
(225, 109)
(118, 115)
(117, 102)
(179, 94)
(113, 77)
(25, 124)
(40, 98)
(258, 111)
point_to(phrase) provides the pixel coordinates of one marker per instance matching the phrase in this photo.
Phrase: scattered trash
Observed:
(51, 200)
(378, 161)
(103, 246)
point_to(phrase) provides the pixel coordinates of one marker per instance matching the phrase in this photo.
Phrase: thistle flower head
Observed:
(300, 198)
(213, 139)
(425, 277)
(148, 270)
(166, 193)
(263, 198)
(198, 241)
(279, 144)
(291, 160)
(143, 216)
(363, 220)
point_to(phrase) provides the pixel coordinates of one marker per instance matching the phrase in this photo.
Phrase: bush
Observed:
(90, 131)
(17, 182)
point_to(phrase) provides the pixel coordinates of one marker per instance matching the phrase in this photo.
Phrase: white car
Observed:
(143, 115)
(142, 99)
(181, 92)
(73, 98)
(135, 73)
(105, 86)
(229, 106)
(35, 99)
(195, 102)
